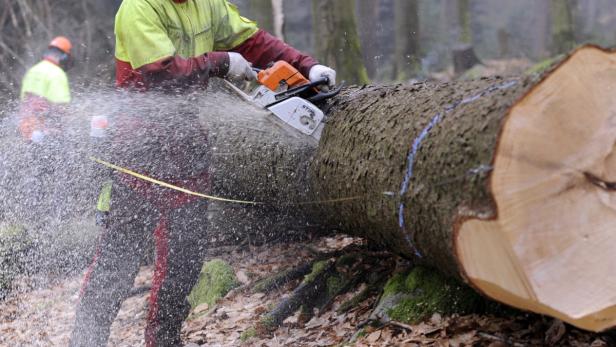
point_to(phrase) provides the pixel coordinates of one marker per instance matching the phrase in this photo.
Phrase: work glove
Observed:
(320, 71)
(240, 69)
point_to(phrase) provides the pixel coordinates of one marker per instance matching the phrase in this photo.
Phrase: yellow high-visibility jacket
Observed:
(150, 30)
(47, 80)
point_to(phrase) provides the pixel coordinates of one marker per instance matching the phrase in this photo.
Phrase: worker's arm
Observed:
(235, 33)
(191, 70)
(263, 48)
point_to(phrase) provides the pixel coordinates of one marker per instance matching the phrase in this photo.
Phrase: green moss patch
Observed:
(248, 334)
(428, 292)
(317, 268)
(216, 280)
(334, 285)
(544, 65)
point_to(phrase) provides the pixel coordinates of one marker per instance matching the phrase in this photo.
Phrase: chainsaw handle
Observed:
(320, 81)
(326, 95)
(302, 88)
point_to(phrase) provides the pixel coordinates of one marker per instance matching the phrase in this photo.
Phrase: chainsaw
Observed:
(291, 97)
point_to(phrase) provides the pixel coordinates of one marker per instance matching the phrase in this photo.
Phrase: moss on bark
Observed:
(427, 292)
(317, 269)
(216, 280)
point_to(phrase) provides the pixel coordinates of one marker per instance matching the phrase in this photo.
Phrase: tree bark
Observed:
(498, 182)
(337, 41)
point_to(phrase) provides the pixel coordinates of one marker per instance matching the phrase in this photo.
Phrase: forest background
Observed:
(366, 40)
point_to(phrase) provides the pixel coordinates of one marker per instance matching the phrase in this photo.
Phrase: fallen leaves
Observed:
(44, 317)
(555, 333)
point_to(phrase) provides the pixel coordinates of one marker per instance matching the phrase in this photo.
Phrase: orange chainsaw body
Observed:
(280, 75)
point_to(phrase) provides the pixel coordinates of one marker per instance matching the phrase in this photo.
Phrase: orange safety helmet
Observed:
(62, 43)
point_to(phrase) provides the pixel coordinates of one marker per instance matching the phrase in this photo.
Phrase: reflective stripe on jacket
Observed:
(104, 198)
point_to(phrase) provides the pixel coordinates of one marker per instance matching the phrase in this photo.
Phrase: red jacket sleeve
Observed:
(263, 48)
(186, 71)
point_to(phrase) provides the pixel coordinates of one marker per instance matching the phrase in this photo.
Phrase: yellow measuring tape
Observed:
(169, 185)
(201, 195)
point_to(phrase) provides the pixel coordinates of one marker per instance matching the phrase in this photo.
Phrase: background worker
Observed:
(45, 92)
(45, 88)
(176, 46)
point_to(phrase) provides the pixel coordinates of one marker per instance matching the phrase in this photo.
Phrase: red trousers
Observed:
(140, 213)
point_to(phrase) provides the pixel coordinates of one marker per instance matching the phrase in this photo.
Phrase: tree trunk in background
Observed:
(503, 43)
(456, 16)
(464, 22)
(456, 19)
(563, 34)
(262, 12)
(589, 12)
(464, 56)
(407, 39)
(368, 15)
(449, 21)
(498, 182)
(278, 13)
(298, 30)
(336, 39)
(540, 29)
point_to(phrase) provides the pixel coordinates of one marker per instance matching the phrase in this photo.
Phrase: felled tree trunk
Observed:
(506, 184)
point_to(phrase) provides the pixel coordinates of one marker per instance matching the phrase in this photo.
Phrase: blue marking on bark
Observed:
(410, 238)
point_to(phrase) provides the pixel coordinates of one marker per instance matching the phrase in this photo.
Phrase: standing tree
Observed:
(336, 39)
(464, 56)
(407, 39)
(456, 19)
(278, 18)
(262, 12)
(464, 22)
(368, 14)
(540, 29)
(563, 38)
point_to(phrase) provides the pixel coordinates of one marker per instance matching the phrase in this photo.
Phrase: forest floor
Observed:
(44, 317)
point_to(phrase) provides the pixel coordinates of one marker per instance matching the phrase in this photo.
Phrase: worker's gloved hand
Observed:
(320, 71)
(240, 69)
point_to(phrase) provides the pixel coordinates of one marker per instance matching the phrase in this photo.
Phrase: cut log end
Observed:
(550, 245)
